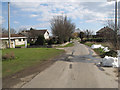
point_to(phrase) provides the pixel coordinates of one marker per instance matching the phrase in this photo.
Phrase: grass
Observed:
(26, 57)
(68, 45)
(20, 45)
(89, 44)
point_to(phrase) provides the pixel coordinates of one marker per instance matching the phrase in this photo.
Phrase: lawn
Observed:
(68, 45)
(26, 57)
(89, 44)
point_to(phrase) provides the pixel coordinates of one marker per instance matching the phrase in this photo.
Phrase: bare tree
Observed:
(88, 33)
(5, 31)
(12, 31)
(22, 29)
(62, 27)
(113, 38)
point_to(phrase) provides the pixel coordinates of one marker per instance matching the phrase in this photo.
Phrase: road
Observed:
(78, 70)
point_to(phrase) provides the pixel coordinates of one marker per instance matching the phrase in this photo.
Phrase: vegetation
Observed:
(102, 54)
(68, 45)
(40, 40)
(9, 56)
(100, 51)
(113, 37)
(81, 35)
(88, 33)
(20, 45)
(89, 44)
(26, 57)
(62, 27)
(5, 31)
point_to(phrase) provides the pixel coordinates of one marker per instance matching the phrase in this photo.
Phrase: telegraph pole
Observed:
(116, 31)
(116, 15)
(9, 24)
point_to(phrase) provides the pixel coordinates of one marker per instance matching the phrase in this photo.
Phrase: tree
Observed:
(5, 31)
(40, 40)
(81, 35)
(113, 38)
(88, 33)
(62, 27)
(75, 34)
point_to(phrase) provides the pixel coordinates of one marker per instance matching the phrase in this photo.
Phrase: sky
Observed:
(85, 15)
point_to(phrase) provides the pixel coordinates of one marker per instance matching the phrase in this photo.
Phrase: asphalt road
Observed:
(78, 70)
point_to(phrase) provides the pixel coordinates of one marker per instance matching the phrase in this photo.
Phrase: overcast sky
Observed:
(86, 15)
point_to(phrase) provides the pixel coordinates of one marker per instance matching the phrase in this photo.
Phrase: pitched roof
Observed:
(36, 33)
(12, 35)
(104, 29)
(42, 32)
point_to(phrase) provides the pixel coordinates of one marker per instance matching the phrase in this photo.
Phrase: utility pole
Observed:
(116, 15)
(116, 27)
(9, 24)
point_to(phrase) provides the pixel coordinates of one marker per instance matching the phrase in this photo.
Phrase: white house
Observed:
(33, 34)
(15, 40)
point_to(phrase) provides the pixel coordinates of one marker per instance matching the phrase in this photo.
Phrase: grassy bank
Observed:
(100, 51)
(68, 45)
(26, 57)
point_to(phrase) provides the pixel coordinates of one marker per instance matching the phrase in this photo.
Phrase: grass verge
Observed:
(100, 51)
(26, 57)
(68, 45)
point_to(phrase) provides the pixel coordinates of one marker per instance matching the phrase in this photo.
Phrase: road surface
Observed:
(78, 70)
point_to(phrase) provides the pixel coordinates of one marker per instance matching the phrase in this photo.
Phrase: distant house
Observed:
(33, 34)
(104, 31)
(15, 40)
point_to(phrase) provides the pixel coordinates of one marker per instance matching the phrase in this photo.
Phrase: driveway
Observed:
(77, 70)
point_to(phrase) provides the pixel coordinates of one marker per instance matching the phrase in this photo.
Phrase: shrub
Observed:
(8, 56)
(40, 40)
(102, 54)
(50, 42)
(95, 40)
(111, 53)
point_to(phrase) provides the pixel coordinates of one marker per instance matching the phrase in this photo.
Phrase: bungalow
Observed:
(33, 34)
(104, 31)
(15, 40)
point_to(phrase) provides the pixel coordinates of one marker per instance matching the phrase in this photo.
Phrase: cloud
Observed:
(41, 25)
(15, 22)
(72, 10)
(107, 4)
(2, 20)
(83, 12)
(54, 0)
(33, 15)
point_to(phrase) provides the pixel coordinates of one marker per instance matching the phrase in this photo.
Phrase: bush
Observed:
(40, 40)
(50, 42)
(102, 54)
(95, 40)
(111, 53)
(8, 56)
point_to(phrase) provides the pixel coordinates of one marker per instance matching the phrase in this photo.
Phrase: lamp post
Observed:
(9, 24)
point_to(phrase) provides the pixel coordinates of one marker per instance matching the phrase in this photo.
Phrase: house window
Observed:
(23, 39)
(19, 39)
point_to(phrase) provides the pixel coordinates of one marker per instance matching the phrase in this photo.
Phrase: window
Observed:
(19, 39)
(23, 39)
